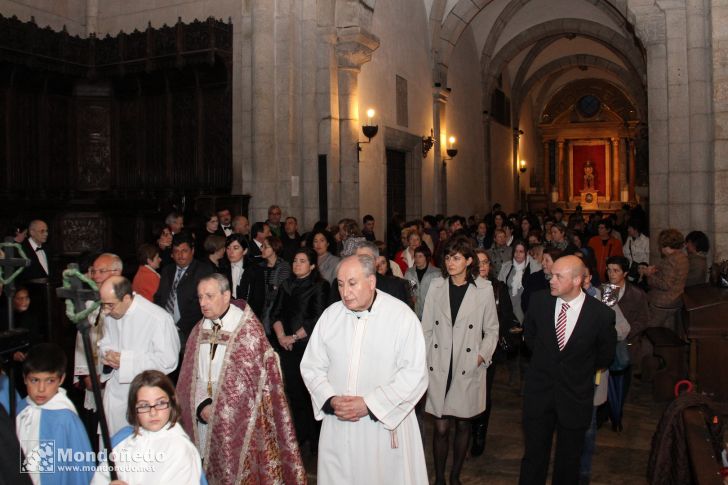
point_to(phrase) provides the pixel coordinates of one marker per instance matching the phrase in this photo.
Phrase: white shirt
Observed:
(637, 250)
(237, 273)
(572, 314)
(42, 256)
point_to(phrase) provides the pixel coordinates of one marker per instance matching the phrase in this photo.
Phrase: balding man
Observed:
(36, 251)
(571, 337)
(365, 369)
(138, 336)
(105, 266)
(397, 287)
(241, 225)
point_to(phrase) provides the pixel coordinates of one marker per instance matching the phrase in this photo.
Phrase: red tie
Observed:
(561, 326)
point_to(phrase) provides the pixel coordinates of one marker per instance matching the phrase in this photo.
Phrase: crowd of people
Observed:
(248, 343)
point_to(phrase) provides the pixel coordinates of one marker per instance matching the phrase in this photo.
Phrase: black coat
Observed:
(563, 381)
(300, 303)
(189, 307)
(35, 270)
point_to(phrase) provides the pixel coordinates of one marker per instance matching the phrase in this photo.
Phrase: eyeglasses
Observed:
(146, 408)
(483, 263)
(100, 271)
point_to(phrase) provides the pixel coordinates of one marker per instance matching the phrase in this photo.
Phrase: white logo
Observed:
(41, 457)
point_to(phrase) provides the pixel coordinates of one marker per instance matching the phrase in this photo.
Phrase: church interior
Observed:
(114, 113)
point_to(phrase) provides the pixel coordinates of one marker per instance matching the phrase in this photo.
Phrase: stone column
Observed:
(632, 156)
(92, 17)
(546, 170)
(616, 189)
(439, 184)
(354, 48)
(560, 168)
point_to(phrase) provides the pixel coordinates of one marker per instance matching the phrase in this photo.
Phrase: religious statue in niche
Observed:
(589, 175)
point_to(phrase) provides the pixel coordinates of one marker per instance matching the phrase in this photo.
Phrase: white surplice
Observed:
(380, 356)
(147, 339)
(169, 457)
(209, 370)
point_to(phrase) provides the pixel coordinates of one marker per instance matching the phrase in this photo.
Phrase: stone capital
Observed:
(354, 47)
(440, 94)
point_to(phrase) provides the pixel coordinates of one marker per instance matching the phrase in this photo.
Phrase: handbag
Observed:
(621, 357)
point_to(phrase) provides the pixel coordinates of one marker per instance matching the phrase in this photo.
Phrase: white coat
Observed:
(474, 333)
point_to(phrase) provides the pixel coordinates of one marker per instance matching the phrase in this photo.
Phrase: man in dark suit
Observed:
(35, 250)
(258, 233)
(571, 337)
(177, 291)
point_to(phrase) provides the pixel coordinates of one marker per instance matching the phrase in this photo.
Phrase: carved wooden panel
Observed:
(82, 232)
(94, 144)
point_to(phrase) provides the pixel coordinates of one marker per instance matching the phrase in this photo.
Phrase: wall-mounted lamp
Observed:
(427, 143)
(451, 150)
(522, 166)
(370, 131)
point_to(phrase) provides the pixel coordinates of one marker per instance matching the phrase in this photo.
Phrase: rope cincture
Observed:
(19, 269)
(70, 310)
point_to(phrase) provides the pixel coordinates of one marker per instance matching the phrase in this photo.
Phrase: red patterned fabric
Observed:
(251, 439)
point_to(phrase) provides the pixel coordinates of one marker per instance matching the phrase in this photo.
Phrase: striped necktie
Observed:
(172, 299)
(561, 326)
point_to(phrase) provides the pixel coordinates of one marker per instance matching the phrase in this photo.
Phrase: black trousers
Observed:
(307, 428)
(538, 434)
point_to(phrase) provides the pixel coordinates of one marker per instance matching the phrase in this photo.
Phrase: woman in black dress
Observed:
(300, 301)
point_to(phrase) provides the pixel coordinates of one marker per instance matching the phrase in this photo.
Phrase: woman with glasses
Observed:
(507, 345)
(461, 332)
(514, 274)
(155, 448)
(321, 242)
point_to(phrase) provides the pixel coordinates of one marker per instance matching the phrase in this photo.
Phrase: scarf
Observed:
(516, 284)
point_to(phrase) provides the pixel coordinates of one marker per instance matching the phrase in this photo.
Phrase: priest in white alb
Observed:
(365, 369)
(138, 336)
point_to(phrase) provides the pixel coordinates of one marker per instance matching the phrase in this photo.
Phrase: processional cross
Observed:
(76, 296)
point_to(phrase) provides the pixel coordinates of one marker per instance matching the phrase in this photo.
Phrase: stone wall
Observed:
(56, 15)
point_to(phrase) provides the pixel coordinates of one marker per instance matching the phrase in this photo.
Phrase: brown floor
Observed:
(619, 457)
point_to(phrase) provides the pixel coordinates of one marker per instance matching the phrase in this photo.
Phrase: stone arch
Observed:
(620, 45)
(633, 89)
(447, 30)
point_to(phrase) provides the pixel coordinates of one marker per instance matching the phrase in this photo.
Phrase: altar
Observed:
(589, 151)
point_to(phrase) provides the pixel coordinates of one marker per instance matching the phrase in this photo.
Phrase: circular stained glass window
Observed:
(589, 105)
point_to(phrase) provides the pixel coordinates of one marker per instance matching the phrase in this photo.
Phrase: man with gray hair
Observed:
(230, 389)
(138, 336)
(365, 369)
(397, 287)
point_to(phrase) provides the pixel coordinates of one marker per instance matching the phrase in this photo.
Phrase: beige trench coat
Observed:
(475, 333)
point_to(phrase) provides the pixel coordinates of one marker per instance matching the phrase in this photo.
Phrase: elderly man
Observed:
(105, 266)
(365, 369)
(241, 225)
(231, 392)
(138, 336)
(571, 337)
(397, 287)
(35, 250)
(274, 220)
